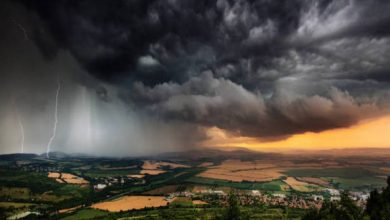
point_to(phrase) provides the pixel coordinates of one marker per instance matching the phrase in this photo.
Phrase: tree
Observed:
(349, 207)
(346, 209)
(388, 182)
(378, 205)
(233, 211)
(372, 204)
(311, 214)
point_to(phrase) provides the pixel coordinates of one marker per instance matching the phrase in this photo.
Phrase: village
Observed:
(256, 197)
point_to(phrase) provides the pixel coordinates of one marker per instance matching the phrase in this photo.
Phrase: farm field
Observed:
(301, 186)
(86, 214)
(15, 192)
(164, 190)
(346, 172)
(96, 173)
(130, 203)
(357, 183)
(15, 204)
(276, 185)
(237, 171)
(315, 180)
(67, 178)
(152, 172)
(154, 165)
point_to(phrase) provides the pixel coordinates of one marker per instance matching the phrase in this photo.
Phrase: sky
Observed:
(137, 77)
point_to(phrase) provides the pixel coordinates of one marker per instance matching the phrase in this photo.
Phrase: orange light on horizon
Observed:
(370, 133)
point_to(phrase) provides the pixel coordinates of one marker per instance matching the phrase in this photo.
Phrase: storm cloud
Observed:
(263, 69)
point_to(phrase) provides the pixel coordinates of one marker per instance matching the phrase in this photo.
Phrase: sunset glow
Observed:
(370, 133)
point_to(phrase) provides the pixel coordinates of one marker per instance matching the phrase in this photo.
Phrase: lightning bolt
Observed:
(22, 29)
(21, 132)
(55, 120)
(20, 124)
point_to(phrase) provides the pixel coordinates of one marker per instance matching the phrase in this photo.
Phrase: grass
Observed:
(15, 192)
(37, 182)
(357, 183)
(24, 186)
(50, 197)
(109, 173)
(275, 185)
(181, 201)
(86, 214)
(162, 190)
(350, 178)
(15, 204)
(74, 190)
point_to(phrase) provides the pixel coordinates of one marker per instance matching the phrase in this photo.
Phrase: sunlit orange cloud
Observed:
(369, 133)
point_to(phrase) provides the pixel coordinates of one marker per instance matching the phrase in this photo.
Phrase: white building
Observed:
(333, 192)
(100, 186)
(279, 195)
(217, 192)
(335, 198)
(365, 196)
(256, 193)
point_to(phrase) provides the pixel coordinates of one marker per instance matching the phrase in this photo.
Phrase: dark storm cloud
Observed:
(220, 102)
(110, 38)
(265, 69)
(91, 118)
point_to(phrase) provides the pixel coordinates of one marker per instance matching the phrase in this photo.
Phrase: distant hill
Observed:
(230, 153)
(17, 156)
(355, 152)
(218, 153)
(55, 155)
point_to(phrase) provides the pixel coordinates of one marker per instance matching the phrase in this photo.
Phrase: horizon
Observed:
(339, 152)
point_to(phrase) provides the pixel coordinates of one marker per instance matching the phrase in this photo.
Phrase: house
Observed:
(333, 192)
(256, 193)
(279, 195)
(335, 198)
(99, 186)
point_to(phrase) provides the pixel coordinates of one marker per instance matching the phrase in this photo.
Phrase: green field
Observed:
(357, 183)
(182, 202)
(86, 214)
(349, 172)
(37, 182)
(110, 173)
(22, 193)
(276, 185)
(15, 204)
